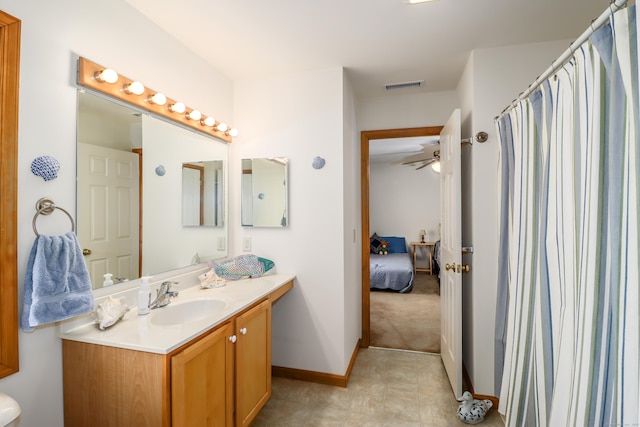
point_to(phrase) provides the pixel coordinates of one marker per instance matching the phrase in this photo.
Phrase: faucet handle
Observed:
(165, 288)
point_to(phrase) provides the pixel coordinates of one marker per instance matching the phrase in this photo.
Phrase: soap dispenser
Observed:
(107, 280)
(144, 296)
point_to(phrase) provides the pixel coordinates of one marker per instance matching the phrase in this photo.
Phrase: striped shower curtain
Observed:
(569, 262)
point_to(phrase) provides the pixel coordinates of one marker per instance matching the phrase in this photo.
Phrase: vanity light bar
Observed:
(135, 93)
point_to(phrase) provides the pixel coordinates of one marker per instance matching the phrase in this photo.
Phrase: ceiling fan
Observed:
(424, 162)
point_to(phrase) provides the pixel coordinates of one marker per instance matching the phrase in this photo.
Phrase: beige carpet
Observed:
(408, 321)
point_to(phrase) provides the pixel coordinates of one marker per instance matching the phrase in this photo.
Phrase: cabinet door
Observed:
(202, 382)
(253, 362)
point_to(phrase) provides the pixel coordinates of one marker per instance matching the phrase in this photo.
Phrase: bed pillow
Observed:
(397, 245)
(374, 243)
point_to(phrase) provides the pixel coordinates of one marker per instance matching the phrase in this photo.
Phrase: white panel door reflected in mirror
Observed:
(264, 192)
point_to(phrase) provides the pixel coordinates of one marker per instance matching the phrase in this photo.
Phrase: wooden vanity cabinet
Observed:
(221, 378)
(202, 381)
(253, 362)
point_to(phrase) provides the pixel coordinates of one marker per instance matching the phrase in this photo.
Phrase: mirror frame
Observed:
(284, 222)
(9, 93)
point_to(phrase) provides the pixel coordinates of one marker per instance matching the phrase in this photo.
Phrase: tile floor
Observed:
(386, 388)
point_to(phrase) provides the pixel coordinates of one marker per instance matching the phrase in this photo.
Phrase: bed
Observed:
(394, 271)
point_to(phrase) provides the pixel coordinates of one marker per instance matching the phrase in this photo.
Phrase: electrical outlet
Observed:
(246, 244)
(221, 243)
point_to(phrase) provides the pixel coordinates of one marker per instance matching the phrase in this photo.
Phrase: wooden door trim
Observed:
(9, 93)
(365, 137)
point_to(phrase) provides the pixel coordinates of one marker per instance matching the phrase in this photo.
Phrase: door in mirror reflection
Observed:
(203, 194)
(109, 216)
(264, 192)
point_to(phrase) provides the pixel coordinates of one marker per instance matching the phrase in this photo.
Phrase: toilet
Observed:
(9, 411)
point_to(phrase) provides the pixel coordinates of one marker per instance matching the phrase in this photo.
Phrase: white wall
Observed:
(405, 110)
(53, 34)
(301, 116)
(352, 216)
(498, 76)
(403, 201)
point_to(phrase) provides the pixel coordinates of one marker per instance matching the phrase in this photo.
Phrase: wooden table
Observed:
(429, 246)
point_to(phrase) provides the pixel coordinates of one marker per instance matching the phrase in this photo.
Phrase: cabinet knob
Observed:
(233, 338)
(243, 331)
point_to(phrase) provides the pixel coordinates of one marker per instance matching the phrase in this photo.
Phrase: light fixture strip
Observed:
(86, 77)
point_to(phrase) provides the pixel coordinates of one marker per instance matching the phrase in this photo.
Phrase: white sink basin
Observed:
(177, 313)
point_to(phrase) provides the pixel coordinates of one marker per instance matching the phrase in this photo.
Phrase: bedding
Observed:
(391, 272)
(397, 245)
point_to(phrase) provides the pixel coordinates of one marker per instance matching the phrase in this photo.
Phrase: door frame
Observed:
(10, 28)
(365, 137)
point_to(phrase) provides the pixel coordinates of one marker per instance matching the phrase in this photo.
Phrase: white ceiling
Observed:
(377, 41)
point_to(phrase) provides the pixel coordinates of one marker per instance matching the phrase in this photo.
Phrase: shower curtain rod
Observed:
(614, 6)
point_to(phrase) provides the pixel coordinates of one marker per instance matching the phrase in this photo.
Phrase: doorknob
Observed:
(86, 252)
(448, 267)
(465, 268)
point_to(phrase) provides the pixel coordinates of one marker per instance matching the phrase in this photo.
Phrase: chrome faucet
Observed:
(164, 295)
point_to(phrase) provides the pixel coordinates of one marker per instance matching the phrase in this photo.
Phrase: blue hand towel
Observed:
(57, 284)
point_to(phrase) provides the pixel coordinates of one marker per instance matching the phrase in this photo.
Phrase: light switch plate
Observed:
(246, 244)
(221, 243)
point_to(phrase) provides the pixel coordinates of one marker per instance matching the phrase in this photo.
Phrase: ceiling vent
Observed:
(404, 85)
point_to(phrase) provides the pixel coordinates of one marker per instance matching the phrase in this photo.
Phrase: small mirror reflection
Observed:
(203, 194)
(264, 192)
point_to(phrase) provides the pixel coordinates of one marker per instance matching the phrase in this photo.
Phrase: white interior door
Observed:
(108, 217)
(451, 252)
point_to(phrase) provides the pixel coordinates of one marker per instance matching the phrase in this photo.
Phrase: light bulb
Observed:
(107, 76)
(194, 115)
(436, 166)
(178, 107)
(222, 127)
(208, 121)
(134, 88)
(233, 132)
(158, 99)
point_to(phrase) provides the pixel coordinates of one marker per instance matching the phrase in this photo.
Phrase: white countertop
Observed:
(137, 332)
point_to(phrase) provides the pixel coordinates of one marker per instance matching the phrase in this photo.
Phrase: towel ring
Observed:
(45, 206)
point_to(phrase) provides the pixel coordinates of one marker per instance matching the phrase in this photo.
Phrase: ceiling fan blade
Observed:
(418, 161)
(425, 164)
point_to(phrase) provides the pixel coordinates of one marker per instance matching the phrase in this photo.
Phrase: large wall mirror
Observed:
(132, 203)
(264, 192)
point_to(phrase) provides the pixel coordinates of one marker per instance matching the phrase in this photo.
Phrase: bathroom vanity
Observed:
(197, 364)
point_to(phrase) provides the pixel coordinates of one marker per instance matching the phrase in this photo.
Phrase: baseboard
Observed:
(317, 377)
(467, 380)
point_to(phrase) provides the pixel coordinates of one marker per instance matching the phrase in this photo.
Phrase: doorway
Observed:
(365, 138)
